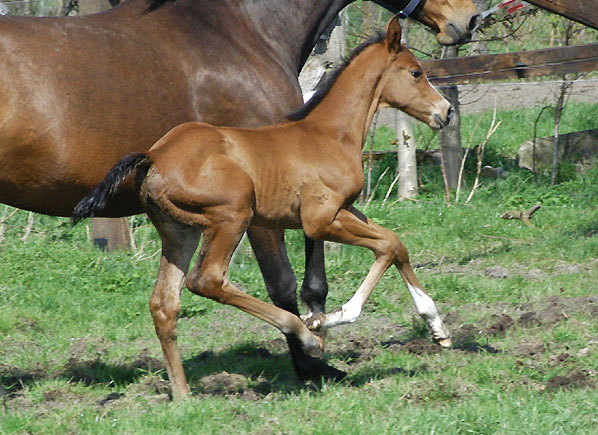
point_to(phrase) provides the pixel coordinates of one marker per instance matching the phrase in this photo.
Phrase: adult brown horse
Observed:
(225, 182)
(79, 93)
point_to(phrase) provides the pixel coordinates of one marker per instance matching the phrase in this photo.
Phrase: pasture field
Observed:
(78, 353)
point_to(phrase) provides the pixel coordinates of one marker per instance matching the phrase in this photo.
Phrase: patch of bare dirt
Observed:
(422, 346)
(530, 349)
(224, 383)
(573, 380)
(349, 348)
(98, 371)
(546, 312)
(499, 325)
(480, 267)
(13, 379)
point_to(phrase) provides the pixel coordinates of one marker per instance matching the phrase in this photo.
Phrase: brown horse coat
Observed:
(302, 174)
(79, 93)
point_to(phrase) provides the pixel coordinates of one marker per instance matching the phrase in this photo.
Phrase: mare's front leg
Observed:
(270, 252)
(351, 227)
(209, 277)
(178, 245)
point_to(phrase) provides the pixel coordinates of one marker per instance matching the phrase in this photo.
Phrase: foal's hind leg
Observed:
(178, 245)
(388, 249)
(209, 278)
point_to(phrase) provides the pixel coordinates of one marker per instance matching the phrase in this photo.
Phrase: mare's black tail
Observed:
(96, 200)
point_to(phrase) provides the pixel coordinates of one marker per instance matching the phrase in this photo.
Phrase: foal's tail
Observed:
(96, 200)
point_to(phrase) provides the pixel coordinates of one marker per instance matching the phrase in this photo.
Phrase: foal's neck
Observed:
(349, 107)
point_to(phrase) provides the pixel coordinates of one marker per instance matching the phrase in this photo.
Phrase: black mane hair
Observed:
(331, 77)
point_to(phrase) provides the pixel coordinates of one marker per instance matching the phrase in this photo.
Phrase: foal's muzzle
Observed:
(443, 121)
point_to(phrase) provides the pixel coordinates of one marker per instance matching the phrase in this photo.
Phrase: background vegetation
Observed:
(78, 352)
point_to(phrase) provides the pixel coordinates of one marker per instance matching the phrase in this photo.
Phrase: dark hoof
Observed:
(315, 369)
(308, 367)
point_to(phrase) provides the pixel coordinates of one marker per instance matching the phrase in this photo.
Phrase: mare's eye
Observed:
(416, 73)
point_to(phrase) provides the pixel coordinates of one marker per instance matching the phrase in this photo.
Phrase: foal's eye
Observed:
(416, 73)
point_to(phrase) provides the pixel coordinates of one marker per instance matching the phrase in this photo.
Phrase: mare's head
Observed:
(453, 20)
(405, 86)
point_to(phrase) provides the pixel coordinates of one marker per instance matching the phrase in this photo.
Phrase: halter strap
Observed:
(402, 13)
(407, 10)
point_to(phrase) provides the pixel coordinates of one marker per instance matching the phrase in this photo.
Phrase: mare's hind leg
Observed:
(209, 278)
(178, 245)
(348, 228)
(269, 249)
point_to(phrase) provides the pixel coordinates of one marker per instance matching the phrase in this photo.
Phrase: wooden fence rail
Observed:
(522, 64)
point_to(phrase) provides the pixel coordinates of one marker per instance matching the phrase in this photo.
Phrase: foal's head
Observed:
(405, 86)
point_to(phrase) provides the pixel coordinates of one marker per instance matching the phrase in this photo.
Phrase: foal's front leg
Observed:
(349, 229)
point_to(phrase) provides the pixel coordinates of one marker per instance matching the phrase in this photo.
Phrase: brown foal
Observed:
(214, 181)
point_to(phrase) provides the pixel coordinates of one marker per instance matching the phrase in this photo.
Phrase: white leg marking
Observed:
(351, 310)
(425, 307)
(348, 313)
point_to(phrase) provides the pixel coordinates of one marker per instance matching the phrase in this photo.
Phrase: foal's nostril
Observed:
(474, 22)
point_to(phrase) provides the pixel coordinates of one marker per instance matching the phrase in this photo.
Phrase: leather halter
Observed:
(402, 13)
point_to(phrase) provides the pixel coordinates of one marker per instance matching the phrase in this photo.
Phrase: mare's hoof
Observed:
(445, 342)
(315, 369)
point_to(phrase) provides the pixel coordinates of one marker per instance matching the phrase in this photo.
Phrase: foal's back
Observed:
(263, 169)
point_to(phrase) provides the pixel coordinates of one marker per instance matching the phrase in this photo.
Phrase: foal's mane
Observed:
(331, 77)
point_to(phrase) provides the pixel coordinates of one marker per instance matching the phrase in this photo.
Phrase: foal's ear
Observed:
(393, 35)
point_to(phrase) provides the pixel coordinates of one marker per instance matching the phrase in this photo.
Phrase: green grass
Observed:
(75, 327)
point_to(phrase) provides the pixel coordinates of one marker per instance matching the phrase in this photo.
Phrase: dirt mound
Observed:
(13, 379)
(422, 346)
(574, 379)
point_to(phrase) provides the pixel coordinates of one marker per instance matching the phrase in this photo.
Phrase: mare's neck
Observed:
(289, 29)
(346, 112)
(294, 28)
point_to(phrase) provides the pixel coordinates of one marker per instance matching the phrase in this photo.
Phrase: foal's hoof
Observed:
(445, 342)
(315, 322)
(317, 350)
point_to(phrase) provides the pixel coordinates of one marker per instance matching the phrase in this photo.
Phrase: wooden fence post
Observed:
(450, 136)
(110, 234)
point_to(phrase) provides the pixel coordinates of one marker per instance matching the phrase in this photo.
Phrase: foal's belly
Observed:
(280, 213)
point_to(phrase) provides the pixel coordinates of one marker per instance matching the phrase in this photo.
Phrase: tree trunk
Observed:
(450, 136)
(407, 164)
(370, 14)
